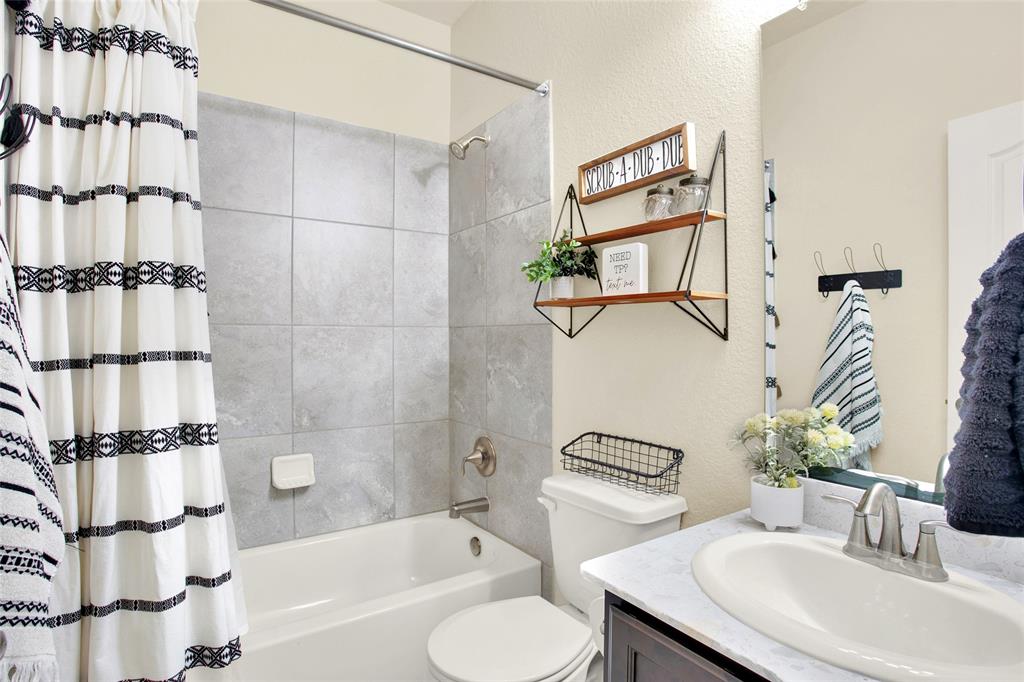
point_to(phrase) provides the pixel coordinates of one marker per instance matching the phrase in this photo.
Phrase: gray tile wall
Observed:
(500, 348)
(372, 315)
(327, 266)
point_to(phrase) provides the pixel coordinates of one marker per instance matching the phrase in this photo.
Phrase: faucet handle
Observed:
(476, 458)
(927, 552)
(928, 526)
(858, 541)
(483, 457)
(838, 498)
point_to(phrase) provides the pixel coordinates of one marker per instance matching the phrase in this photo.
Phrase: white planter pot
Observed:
(776, 507)
(561, 287)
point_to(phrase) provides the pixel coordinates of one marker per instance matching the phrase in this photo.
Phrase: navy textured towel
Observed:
(985, 483)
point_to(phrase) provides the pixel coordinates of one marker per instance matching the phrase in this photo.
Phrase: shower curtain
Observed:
(107, 242)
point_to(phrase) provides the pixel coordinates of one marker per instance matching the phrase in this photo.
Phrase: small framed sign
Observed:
(642, 163)
(625, 269)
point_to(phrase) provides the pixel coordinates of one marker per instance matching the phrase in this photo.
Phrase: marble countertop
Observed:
(656, 577)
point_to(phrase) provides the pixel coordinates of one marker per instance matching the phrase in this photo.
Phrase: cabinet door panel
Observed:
(638, 653)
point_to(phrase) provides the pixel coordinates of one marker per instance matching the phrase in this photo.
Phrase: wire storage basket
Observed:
(627, 462)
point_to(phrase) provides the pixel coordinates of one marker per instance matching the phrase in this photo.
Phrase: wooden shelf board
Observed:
(621, 299)
(651, 227)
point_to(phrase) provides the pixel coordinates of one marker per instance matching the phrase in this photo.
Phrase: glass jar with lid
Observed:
(658, 204)
(690, 196)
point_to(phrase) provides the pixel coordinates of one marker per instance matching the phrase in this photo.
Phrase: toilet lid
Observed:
(515, 640)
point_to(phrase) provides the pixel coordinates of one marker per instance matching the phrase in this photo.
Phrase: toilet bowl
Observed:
(529, 639)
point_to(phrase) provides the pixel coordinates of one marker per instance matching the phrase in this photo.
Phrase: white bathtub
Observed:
(359, 604)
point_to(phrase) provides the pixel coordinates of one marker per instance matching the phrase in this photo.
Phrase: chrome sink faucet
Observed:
(889, 553)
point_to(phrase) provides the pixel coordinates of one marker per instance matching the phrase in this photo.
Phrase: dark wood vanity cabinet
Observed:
(640, 648)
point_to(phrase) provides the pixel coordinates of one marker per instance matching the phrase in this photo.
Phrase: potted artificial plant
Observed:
(559, 262)
(781, 447)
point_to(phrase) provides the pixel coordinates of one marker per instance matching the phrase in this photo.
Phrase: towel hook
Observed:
(821, 268)
(879, 256)
(876, 248)
(848, 255)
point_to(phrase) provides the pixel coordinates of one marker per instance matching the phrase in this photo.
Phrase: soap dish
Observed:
(292, 471)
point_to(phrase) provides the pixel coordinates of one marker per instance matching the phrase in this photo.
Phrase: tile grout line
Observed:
(394, 318)
(449, 483)
(504, 324)
(342, 428)
(448, 325)
(291, 320)
(525, 441)
(500, 217)
(332, 222)
(487, 483)
(345, 326)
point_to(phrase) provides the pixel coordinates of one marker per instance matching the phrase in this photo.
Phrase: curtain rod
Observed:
(329, 20)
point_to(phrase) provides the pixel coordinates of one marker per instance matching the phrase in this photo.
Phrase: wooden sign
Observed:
(625, 269)
(642, 163)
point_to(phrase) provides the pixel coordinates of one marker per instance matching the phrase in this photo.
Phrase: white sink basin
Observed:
(804, 592)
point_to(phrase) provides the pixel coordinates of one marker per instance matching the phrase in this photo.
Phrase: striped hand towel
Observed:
(847, 379)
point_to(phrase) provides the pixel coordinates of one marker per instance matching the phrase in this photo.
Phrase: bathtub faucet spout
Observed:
(457, 509)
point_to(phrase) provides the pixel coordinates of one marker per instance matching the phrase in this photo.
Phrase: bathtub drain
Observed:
(474, 545)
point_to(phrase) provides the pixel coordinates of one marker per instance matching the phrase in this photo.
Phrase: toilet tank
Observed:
(590, 517)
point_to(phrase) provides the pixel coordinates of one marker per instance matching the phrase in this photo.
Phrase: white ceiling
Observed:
(441, 11)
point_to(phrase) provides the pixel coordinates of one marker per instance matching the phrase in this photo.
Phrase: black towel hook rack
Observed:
(883, 279)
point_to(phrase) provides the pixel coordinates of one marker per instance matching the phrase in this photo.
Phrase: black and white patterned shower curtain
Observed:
(107, 242)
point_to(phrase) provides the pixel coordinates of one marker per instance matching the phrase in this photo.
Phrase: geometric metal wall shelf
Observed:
(685, 298)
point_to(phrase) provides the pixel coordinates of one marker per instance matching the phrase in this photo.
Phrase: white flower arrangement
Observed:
(793, 441)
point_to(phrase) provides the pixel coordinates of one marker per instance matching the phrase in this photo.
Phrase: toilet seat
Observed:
(574, 672)
(515, 640)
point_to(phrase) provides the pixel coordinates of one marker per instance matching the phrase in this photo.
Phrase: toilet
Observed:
(529, 639)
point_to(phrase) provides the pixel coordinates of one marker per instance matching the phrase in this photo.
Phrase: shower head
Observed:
(459, 147)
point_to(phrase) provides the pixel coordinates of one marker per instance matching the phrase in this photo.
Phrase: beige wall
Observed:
(620, 72)
(255, 53)
(855, 113)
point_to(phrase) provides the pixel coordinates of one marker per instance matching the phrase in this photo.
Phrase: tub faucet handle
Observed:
(483, 457)
(476, 458)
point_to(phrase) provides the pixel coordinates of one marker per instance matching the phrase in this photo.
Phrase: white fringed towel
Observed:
(847, 379)
(31, 535)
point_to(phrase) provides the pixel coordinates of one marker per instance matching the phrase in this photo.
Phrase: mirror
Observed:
(891, 144)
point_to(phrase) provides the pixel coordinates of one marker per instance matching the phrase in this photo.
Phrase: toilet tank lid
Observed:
(610, 500)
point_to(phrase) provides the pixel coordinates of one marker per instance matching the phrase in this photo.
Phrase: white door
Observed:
(986, 210)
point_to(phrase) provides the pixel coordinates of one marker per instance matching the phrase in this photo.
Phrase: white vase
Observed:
(561, 287)
(776, 507)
